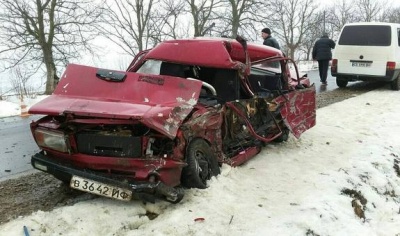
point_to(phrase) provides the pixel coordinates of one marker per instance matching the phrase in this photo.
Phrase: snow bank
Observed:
(307, 186)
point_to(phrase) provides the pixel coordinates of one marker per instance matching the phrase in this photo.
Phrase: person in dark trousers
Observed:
(323, 54)
(268, 39)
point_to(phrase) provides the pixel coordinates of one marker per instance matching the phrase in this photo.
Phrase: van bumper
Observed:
(390, 76)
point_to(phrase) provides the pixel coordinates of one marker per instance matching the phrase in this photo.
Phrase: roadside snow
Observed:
(9, 109)
(12, 106)
(300, 187)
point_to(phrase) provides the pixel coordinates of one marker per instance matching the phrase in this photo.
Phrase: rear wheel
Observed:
(395, 84)
(341, 82)
(202, 165)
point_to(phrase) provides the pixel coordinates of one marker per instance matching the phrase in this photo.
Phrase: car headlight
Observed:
(51, 139)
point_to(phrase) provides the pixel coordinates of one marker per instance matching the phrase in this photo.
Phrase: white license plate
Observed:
(101, 189)
(361, 64)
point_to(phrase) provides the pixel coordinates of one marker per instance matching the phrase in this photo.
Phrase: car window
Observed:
(266, 68)
(366, 35)
(150, 67)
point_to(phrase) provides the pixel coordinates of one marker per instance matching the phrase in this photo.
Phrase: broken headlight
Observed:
(51, 139)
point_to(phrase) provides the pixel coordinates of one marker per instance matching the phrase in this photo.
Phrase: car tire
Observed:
(395, 84)
(341, 83)
(202, 164)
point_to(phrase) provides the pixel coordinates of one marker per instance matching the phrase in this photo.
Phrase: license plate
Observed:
(101, 189)
(361, 64)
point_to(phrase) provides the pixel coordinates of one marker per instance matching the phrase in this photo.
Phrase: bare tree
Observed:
(391, 15)
(241, 17)
(202, 12)
(140, 24)
(49, 32)
(169, 21)
(20, 83)
(339, 14)
(126, 23)
(313, 33)
(291, 21)
(369, 10)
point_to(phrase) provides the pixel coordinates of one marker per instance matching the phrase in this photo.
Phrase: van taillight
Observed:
(390, 65)
(334, 66)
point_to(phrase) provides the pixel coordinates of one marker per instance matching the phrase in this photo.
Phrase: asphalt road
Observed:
(16, 146)
(314, 78)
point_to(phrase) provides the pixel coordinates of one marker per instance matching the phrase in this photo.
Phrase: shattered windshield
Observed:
(150, 67)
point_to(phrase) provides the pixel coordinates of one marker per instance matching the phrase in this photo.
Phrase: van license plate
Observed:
(101, 189)
(361, 64)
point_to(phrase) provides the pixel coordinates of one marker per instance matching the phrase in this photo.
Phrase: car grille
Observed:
(109, 145)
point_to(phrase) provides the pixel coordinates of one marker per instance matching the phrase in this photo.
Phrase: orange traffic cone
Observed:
(24, 109)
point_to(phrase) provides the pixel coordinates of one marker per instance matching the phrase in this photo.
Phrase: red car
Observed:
(179, 112)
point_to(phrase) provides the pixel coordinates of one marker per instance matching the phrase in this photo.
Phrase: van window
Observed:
(398, 36)
(366, 35)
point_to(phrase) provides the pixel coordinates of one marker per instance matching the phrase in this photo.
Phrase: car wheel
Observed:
(284, 136)
(395, 84)
(341, 83)
(202, 164)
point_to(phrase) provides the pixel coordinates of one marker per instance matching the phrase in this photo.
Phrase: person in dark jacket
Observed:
(268, 39)
(323, 54)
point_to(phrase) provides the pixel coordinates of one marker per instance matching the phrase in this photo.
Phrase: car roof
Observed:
(210, 52)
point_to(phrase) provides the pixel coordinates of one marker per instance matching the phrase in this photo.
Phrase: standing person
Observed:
(323, 54)
(268, 39)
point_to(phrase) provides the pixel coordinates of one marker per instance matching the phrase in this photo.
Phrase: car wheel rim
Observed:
(201, 165)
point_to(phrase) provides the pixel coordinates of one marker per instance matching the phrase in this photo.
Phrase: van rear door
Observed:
(364, 50)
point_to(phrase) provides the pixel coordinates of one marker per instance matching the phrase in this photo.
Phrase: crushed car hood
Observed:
(159, 102)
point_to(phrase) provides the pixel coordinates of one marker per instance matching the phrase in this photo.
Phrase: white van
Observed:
(368, 51)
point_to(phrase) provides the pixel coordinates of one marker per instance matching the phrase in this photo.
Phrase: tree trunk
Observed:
(52, 78)
(291, 52)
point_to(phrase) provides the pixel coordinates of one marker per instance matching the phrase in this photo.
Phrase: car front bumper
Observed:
(146, 191)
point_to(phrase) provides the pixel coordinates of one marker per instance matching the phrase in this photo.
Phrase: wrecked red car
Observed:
(169, 122)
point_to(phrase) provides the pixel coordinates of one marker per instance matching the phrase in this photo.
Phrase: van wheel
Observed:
(395, 84)
(341, 83)
(202, 165)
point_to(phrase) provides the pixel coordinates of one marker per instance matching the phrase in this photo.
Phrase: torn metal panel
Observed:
(298, 109)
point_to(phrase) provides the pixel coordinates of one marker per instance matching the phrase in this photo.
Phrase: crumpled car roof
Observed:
(210, 52)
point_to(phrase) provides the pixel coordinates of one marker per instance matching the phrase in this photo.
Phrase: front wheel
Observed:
(395, 84)
(202, 164)
(341, 83)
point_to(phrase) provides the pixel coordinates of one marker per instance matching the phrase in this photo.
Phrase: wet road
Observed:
(16, 146)
(314, 78)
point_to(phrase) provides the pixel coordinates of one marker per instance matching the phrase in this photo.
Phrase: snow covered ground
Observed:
(11, 106)
(342, 177)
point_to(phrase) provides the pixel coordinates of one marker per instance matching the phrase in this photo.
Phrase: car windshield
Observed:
(150, 67)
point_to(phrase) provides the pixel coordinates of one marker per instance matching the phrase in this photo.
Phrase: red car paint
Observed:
(179, 110)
